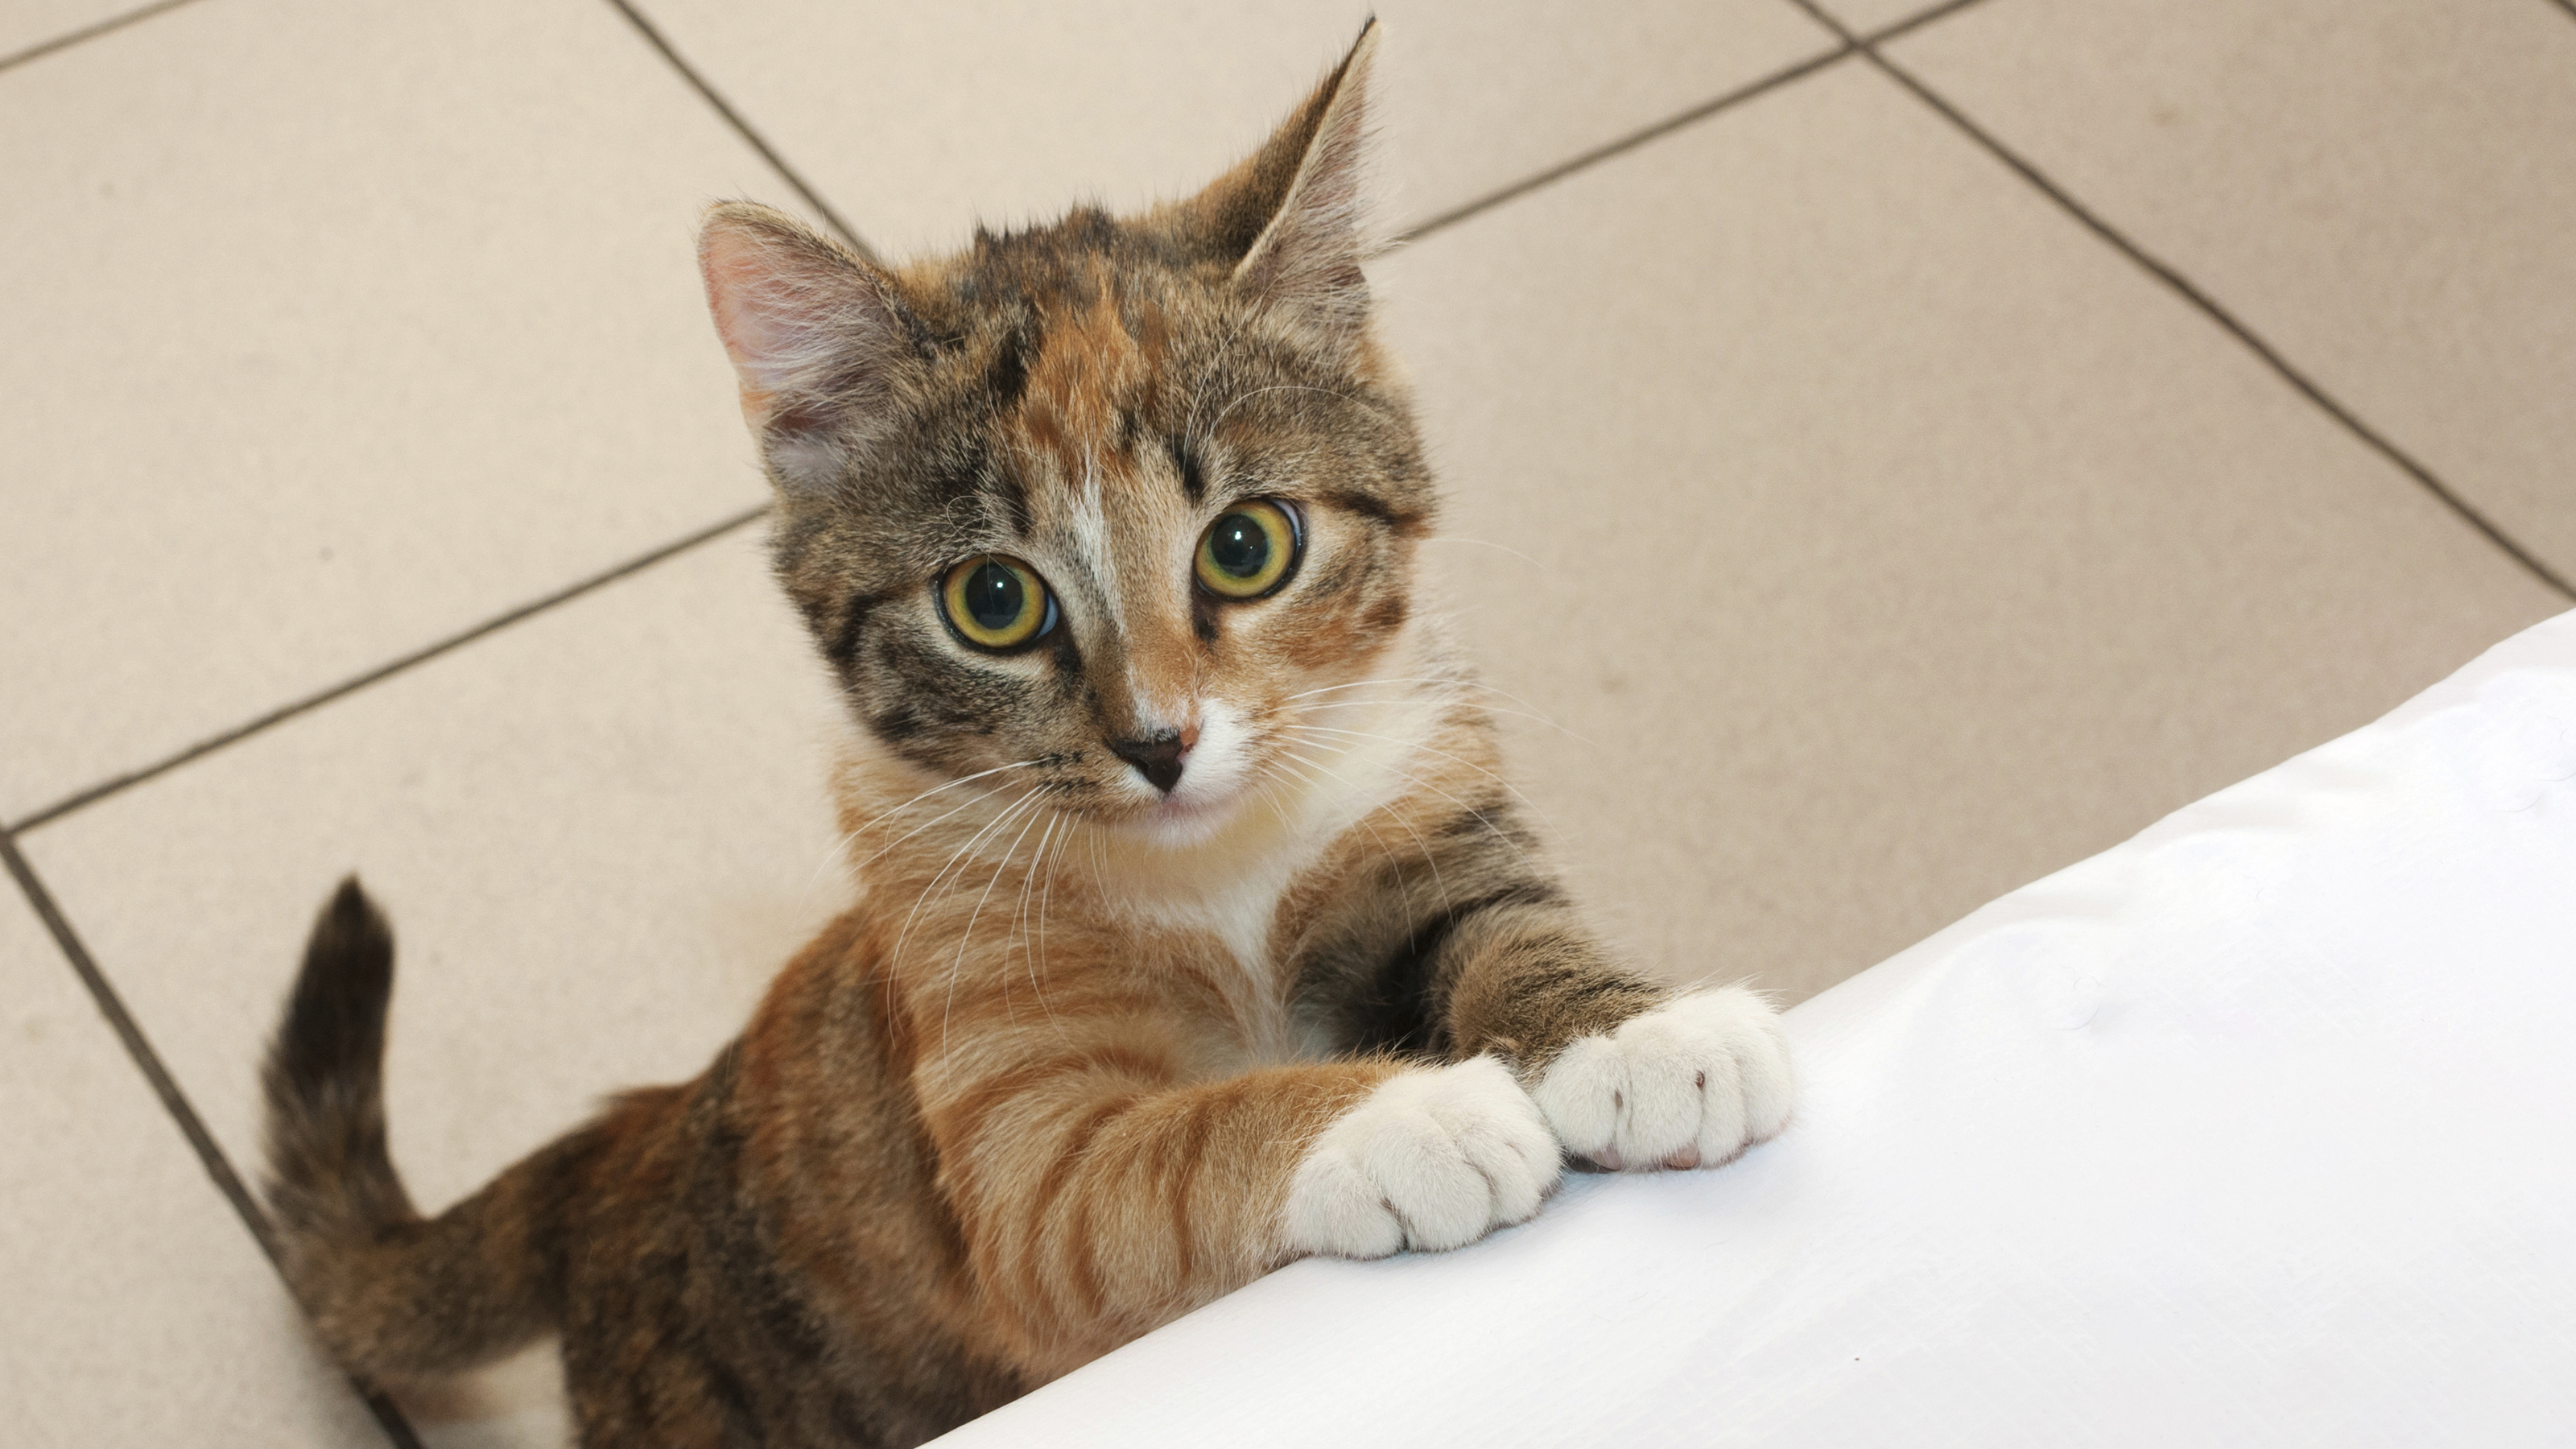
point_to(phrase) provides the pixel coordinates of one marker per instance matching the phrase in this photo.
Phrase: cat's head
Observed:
(1092, 504)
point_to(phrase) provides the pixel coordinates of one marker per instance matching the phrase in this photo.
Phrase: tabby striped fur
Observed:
(1084, 1054)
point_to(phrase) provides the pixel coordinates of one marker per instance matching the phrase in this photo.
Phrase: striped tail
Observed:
(395, 1295)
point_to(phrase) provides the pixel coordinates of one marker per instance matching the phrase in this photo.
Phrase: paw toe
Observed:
(1334, 1208)
(1689, 1084)
(1439, 1195)
(1582, 1093)
(1432, 1160)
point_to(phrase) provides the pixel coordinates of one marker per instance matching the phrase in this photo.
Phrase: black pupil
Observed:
(995, 597)
(1240, 545)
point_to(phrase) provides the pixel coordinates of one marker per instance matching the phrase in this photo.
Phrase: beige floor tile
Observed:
(140, 1313)
(914, 120)
(26, 24)
(598, 834)
(1866, 17)
(2384, 190)
(1881, 539)
(337, 327)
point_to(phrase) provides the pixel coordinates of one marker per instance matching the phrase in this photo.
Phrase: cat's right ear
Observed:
(820, 343)
(1293, 216)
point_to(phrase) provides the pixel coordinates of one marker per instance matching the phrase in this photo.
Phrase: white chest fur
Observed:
(1301, 793)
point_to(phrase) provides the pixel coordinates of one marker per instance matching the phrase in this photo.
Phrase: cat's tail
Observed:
(394, 1294)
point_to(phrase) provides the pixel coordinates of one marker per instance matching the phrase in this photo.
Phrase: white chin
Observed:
(1182, 818)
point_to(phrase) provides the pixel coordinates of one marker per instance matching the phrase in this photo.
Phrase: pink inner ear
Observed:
(809, 327)
(1309, 257)
(754, 311)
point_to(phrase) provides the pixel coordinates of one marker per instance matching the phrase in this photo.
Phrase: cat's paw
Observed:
(1432, 1159)
(1688, 1084)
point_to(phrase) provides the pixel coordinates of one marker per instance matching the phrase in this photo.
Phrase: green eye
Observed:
(1249, 551)
(996, 603)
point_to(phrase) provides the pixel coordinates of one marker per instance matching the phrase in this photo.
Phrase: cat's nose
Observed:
(1157, 757)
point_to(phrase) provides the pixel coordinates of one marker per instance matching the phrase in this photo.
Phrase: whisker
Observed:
(1267, 778)
(966, 937)
(1486, 543)
(979, 798)
(894, 957)
(1098, 881)
(1037, 963)
(1025, 802)
(951, 785)
(1190, 425)
(839, 845)
(1481, 705)
(1432, 750)
(1046, 901)
(1020, 913)
(1029, 881)
(1365, 683)
(1394, 862)
(1242, 398)
(1445, 681)
(1421, 844)
(1498, 832)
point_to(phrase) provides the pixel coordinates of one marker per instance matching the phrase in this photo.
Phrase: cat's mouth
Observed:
(1204, 805)
(1188, 815)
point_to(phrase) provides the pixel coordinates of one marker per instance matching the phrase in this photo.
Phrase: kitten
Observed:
(1196, 932)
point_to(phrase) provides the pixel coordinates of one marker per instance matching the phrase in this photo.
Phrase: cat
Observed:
(1196, 929)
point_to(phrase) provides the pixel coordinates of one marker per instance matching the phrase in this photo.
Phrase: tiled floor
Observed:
(2069, 409)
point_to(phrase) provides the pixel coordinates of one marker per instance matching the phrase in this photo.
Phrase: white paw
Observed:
(1432, 1159)
(1689, 1084)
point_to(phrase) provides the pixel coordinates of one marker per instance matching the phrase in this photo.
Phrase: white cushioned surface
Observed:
(2257, 1129)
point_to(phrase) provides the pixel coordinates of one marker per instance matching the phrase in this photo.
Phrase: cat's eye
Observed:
(996, 603)
(1249, 551)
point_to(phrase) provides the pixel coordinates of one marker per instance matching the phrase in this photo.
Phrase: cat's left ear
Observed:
(1299, 206)
(819, 339)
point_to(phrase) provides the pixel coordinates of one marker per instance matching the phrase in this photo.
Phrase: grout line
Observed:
(112, 1007)
(1629, 142)
(238, 733)
(119, 783)
(1440, 222)
(2209, 306)
(1913, 22)
(210, 1155)
(1798, 71)
(743, 128)
(88, 32)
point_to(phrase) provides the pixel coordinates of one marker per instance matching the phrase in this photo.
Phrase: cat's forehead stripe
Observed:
(1086, 362)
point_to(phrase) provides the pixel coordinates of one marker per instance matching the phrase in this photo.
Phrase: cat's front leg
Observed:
(1628, 1074)
(1434, 1158)
(1099, 1190)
